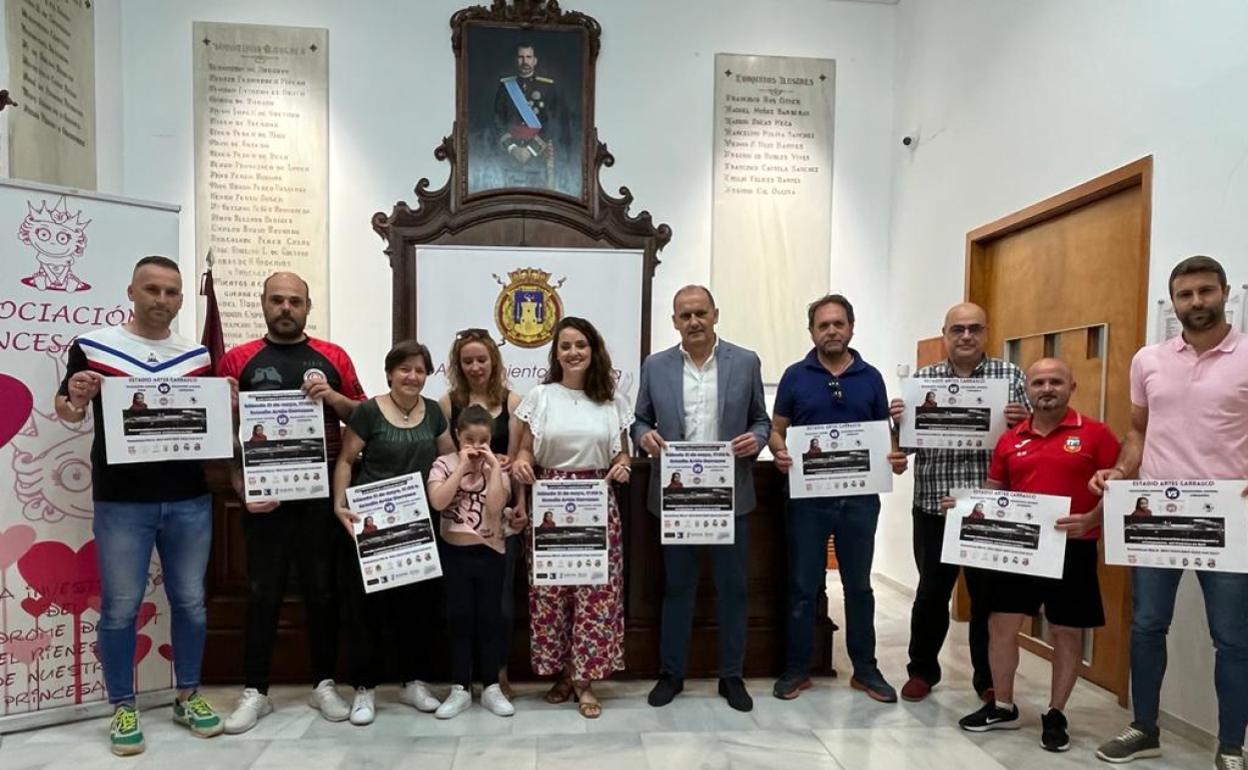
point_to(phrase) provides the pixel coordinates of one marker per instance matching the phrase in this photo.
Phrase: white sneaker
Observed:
(455, 703)
(416, 694)
(325, 698)
(251, 706)
(363, 709)
(493, 699)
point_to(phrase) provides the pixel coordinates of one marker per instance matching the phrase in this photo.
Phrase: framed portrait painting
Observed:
(525, 107)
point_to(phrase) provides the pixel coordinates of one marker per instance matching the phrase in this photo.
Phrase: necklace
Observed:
(575, 393)
(408, 412)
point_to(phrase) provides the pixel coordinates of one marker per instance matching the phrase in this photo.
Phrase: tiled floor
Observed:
(830, 726)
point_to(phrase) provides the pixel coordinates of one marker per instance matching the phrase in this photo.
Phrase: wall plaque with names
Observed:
(772, 199)
(261, 165)
(51, 135)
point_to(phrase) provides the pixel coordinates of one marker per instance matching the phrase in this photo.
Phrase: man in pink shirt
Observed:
(1189, 420)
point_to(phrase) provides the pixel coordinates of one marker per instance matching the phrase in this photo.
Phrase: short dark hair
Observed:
(829, 299)
(474, 414)
(158, 261)
(1197, 264)
(405, 350)
(526, 44)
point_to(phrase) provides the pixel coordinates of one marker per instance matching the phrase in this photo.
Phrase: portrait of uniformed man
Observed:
(524, 110)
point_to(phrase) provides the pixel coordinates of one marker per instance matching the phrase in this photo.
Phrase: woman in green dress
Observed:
(392, 435)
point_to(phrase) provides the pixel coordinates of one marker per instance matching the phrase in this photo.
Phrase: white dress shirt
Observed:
(701, 394)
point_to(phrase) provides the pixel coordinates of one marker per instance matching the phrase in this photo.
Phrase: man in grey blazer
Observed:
(704, 389)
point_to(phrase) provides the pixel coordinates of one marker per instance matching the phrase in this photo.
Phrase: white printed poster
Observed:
(1200, 525)
(848, 458)
(518, 295)
(570, 532)
(394, 537)
(1006, 531)
(282, 433)
(148, 419)
(953, 413)
(696, 486)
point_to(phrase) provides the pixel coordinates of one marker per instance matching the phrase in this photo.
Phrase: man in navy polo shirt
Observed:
(832, 384)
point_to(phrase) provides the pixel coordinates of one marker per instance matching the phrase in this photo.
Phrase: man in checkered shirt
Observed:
(936, 472)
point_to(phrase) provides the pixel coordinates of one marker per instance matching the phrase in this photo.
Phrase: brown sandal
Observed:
(588, 709)
(559, 692)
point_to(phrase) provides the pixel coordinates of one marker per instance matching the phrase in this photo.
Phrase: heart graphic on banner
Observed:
(166, 651)
(147, 611)
(64, 577)
(15, 541)
(35, 607)
(142, 646)
(16, 403)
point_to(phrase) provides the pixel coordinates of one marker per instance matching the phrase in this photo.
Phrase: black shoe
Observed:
(733, 690)
(990, 718)
(1053, 735)
(665, 689)
(874, 685)
(790, 685)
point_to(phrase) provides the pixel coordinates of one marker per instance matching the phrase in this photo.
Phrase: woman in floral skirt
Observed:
(575, 426)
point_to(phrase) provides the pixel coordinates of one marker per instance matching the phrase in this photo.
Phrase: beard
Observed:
(284, 327)
(1049, 403)
(1203, 319)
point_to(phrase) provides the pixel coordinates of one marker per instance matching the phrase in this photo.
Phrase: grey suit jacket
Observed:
(661, 406)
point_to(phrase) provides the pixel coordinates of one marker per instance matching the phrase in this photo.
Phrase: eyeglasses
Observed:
(974, 330)
(473, 334)
(838, 393)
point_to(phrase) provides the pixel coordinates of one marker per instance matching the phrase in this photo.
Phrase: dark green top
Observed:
(390, 451)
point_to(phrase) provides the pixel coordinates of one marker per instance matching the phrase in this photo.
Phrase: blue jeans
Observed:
(181, 531)
(1226, 606)
(809, 522)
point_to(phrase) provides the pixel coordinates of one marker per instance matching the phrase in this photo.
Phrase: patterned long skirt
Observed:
(580, 625)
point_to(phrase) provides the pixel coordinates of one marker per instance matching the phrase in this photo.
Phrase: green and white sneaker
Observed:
(198, 716)
(124, 731)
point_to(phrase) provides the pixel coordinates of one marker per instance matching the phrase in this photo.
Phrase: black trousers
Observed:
(507, 634)
(929, 618)
(473, 575)
(303, 533)
(398, 630)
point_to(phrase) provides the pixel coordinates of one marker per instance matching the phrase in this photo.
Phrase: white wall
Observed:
(1016, 101)
(391, 101)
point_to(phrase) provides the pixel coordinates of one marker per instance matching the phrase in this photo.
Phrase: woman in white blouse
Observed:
(575, 426)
